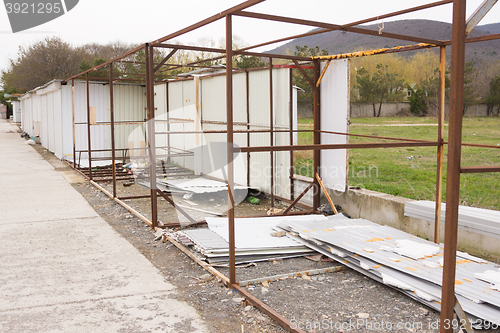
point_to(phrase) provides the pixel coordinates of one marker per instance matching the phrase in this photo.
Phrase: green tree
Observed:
(101, 72)
(249, 62)
(418, 105)
(493, 98)
(382, 86)
(470, 94)
(299, 80)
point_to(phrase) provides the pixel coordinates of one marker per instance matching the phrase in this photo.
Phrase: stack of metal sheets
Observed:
(253, 239)
(478, 220)
(408, 263)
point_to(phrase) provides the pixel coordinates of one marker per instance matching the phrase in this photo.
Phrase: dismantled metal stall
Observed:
(326, 144)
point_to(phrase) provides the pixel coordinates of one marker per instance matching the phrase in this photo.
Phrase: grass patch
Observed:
(411, 172)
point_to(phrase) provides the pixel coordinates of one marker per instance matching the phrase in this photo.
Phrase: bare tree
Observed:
(49, 59)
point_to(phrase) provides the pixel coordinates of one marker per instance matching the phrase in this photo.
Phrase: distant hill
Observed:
(493, 28)
(337, 42)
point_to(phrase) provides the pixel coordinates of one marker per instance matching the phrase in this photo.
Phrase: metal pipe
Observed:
(230, 166)
(453, 172)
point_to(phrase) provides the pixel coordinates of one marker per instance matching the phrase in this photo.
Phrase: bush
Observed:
(418, 106)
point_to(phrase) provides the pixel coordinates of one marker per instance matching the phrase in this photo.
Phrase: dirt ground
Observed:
(334, 302)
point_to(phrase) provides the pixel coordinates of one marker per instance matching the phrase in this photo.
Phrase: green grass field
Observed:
(411, 172)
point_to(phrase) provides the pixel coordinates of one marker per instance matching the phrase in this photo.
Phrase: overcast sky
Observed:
(141, 21)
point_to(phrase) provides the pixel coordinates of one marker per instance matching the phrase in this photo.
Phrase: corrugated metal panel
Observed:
(129, 106)
(52, 126)
(371, 246)
(16, 107)
(281, 97)
(176, 111)
(57, 136)
(27, 114)
(98, 134)
(44, 121)
(67, 122)
(260, 175)
(334, 117)
(161, 115)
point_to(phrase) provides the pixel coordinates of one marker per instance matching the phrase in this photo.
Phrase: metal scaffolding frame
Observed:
(457, 42)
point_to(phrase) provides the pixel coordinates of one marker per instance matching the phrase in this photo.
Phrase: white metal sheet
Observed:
(335, 104)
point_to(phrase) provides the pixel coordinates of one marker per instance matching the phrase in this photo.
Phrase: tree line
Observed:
(374, 79)
(385, 78)
(54, 58)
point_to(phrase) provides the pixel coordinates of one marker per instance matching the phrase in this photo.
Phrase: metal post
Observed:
(168, 124)
(248, 124)
(230, 166)
(112, 120)
(88, 125)
(271, 126)
(290, 116)
(317, 139)
(151, 133)
(73, 111)
(440, 148)
(453, 171)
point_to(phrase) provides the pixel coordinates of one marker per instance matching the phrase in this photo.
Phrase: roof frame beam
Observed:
(336, 27)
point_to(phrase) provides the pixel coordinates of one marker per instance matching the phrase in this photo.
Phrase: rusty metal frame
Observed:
(457, 41)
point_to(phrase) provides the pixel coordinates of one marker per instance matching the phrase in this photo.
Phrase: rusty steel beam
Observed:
(304, 74)
(453, 171)
(73, 120)
(440, 147)
(480, 169)
(294, 202)
(164, 60)
(337, 27)
(170, 201)
(267, 310)
(126, 54)
(316, 135)
(247, 87)
(209, 20)
(290, 124)
(151, 133)
(271, 127)
(230, 157)
(318, 147)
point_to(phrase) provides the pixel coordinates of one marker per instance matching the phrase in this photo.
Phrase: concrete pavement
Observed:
(63, 268)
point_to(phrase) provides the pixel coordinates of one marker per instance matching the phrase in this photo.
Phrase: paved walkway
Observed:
(63, 268)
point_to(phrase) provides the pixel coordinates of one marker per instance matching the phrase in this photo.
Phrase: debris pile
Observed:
(410, 264)
(255, 239)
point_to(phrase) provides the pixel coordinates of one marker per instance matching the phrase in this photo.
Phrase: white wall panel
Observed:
(67, 122)
(129, 103)
(335, 117)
